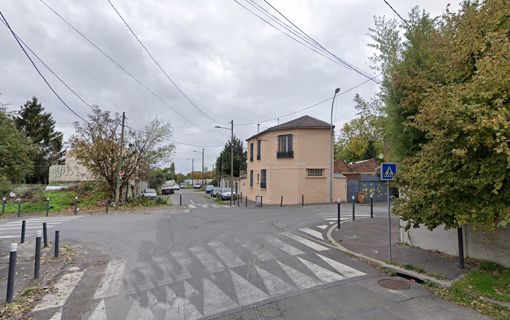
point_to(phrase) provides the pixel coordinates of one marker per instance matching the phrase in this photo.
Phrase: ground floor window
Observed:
(315, 172)
(263, 181)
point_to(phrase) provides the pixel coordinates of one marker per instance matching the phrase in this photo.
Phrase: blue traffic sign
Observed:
(388, 171)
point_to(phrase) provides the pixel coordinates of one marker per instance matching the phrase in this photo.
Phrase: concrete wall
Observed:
(72, 171)
(287, 177)
(479, 245)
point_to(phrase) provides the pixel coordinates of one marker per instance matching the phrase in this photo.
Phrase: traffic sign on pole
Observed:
(388, 171)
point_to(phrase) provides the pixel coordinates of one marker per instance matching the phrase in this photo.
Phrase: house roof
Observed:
(364, 166)
(304, 122)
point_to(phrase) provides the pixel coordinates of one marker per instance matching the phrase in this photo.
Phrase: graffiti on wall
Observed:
(69, 172)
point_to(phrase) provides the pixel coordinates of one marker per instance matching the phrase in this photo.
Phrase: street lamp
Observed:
(231, 154)
(331, 157)
(203, 182)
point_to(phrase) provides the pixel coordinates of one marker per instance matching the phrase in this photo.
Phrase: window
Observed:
(259, 147)
(251, 151)
(263, 181)
(314, 172)
(285, 147)
(251, 178)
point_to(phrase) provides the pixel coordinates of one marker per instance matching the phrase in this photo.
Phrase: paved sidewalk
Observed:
(369, 237)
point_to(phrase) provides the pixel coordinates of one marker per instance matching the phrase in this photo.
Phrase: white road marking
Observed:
(184, 262)
(312, 232)
(192, 202)
(166, 267)
(137, 312)
(210, 263)
(63, 288)
(346, 271)
(226, 255)
(111, 283)
(302, 280)
(274, 285)
(225, 206)
(191, 206)
(179, 308)
(324, 226)
(260, 253)
(189, 290)
(282, 245)
(151, 299)
(323, 274)
(187, 211)
(246, 292)
(100, 312)
(214, 206)
(145, 283)
(57, 315)
(215, 300)
(306, 242)
(204, 205)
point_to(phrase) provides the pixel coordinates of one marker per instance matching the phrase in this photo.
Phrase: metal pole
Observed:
(261, 201)
(302, 200)
(75, 205)
(203, 177)
(331, 154)
(23, 227)
(107, 205)
(45, 234)
(246, 201)
(371, 206)
(47, 206)
(119, 163)
(389, 219)
(232, 157)
(192, 168)
(57, 243)
(19, 207)
(338, 213)
(353, 208)
(37, 262)
(180, 199)
(12, 273)
(281, 201)
(3, 204)
(460, 238)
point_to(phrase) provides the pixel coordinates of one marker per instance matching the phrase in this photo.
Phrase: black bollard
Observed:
(19, 207)
(238, 201)
(37, 262)
(47, 206)
(246, 201)
(338, 213)
(261, 203)
(57, 243)
(461, 248)
(45, 234)
(281, 201)
(107, 204)
(23, 228)
(4, 201)
(371, 206)
(180, 199)
(302, 200)
(353, 208)
(12, 273)
(75, 205)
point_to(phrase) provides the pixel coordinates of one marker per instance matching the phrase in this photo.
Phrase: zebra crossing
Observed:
(214, 277)
(12, 229)
(208, 206)
(217, 276)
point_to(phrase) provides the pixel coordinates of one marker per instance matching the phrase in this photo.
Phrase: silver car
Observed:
(226, 193)
(149, 194)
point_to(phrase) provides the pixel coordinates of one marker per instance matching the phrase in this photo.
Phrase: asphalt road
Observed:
(206, 260)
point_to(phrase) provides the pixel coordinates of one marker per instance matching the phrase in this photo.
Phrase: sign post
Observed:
(388, 172)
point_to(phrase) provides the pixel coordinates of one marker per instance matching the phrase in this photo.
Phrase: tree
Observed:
(170, 172)
(449, 96)
(39, 126)
(223, 161)
(362, 137)
(15, 152)
(157, 178)
(97, 146)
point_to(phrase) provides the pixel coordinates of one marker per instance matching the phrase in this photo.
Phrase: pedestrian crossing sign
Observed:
(388, 171)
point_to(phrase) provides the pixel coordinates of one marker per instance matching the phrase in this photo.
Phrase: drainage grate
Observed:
(394, 284)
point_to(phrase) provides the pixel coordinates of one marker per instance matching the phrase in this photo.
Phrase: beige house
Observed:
(292, 160)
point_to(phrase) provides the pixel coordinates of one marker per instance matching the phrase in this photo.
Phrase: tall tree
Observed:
(39, 126)
(15, 152)
(448, 101)
(223, 161)
(170, 172)
(97, 146)
(362, 137)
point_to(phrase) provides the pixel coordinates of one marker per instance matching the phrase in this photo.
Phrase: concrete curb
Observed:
(382, 264)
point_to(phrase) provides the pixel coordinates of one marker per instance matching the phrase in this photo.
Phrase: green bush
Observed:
(5, 186)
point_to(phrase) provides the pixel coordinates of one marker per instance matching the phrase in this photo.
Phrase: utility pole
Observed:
(203, 173)
(192, 168)
(331, 152)
(232, 159)
(119, 163)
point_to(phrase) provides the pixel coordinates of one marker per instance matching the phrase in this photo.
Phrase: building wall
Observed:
(71, 171)
(479, 245)
(287, 177)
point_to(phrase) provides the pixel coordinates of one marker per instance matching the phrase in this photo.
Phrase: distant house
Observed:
(362, 177)
(291, 160)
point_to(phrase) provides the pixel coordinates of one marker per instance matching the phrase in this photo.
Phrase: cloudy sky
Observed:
(231, 64)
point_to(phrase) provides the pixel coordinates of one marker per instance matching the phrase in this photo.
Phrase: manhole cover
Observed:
(394, 284)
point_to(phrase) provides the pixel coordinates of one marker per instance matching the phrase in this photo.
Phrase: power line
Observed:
(396, 12)
(37, 69)
(115, 62)
(159, 65)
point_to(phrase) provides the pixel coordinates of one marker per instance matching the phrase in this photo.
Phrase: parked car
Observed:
(149, 194)
(209, 189)
(183, 186)
(226, 193)
(167, 190)
(176, 187)
(197, 185)
(216, 192)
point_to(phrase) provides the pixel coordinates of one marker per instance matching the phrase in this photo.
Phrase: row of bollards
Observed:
(40, 235)
(46, 206)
